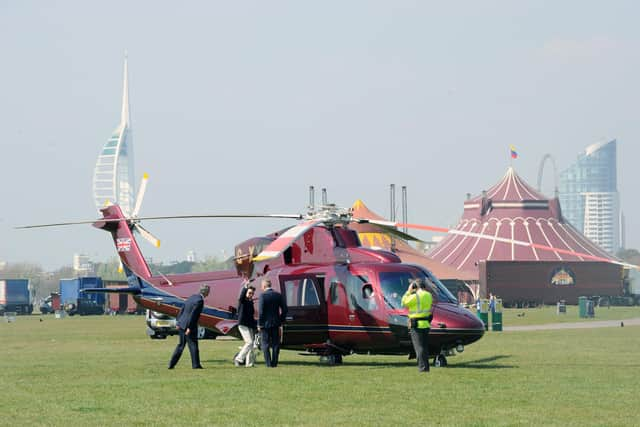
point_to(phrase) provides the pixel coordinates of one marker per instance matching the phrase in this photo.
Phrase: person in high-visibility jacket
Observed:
(419, 301)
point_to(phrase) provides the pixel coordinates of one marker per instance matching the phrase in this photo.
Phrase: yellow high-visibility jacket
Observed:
(419, 305)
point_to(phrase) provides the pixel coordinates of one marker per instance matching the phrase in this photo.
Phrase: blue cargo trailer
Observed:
(15, 296)
(75, 302)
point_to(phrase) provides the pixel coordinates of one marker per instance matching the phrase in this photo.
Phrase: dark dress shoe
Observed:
(198, 367)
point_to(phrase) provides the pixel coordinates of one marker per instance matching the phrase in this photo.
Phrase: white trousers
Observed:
(246, 353)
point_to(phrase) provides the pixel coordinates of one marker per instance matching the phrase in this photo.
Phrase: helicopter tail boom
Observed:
(125, 242)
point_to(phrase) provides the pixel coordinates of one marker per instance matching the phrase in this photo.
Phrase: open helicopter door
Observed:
(307, 311)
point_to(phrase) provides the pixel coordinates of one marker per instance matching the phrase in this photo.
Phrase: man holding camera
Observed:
(418, 300)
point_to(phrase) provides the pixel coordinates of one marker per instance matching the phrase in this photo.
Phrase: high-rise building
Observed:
(82, 264)
(589, 195)
(113, 179)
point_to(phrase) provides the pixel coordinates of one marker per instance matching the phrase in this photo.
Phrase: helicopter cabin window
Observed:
(360, 292)
(334, 295)
(301, 293)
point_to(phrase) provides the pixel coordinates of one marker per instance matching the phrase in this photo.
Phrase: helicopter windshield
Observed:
(395, 283)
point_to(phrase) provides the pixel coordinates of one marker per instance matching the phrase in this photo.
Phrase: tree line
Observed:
(44, 282)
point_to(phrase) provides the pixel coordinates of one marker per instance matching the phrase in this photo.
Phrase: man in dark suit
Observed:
(187, 322)
(272, 313)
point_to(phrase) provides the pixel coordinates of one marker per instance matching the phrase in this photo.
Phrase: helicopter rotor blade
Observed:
(63, 224)
(230, 216)
(388, 228)
(400, 225)
(140, 196)
(147, 235)
(282, 243)
(154, 218)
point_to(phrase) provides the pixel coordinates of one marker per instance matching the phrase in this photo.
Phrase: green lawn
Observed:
(102, 370)
(548, 314)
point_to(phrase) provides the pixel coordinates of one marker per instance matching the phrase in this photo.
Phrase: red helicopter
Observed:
(343, 298)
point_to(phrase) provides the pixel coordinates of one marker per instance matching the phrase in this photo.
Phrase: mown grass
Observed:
(548, 314)
(102, 370)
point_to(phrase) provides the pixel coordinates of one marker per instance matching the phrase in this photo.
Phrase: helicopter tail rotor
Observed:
(147, 235)
(136, 210)
(140, 195)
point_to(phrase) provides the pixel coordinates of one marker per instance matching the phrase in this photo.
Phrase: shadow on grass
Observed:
(485, 363)
(348, 362)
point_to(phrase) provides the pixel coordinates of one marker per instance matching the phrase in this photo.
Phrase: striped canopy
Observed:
(512, 210)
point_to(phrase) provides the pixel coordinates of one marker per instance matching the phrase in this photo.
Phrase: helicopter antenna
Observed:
(312, 203)
(166, 278)
(405, 213)
(392, 197)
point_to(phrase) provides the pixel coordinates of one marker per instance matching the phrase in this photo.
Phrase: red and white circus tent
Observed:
(510, 212)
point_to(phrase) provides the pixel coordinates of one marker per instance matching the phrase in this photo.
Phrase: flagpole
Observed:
(513, 154)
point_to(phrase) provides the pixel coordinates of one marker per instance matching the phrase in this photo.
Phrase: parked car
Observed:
(160, 325)
(50, 304)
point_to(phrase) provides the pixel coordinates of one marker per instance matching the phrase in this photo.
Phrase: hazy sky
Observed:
(240, 106)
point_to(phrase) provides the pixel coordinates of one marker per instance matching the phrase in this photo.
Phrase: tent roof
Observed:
(512, 210)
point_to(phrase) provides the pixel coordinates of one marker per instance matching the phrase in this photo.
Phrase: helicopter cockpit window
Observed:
(395, 283)
(301, 293)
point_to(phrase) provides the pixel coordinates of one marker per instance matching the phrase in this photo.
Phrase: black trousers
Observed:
(192, 341)
(270, 340)
(420, 340)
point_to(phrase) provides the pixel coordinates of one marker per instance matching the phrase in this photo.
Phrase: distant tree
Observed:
(109, 270)
(42, 283)
(25, 270)
(213, 264)
(177, 268)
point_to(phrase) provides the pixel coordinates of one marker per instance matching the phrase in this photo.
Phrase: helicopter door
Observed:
(340, 315)
(366, 321)
(307, 312)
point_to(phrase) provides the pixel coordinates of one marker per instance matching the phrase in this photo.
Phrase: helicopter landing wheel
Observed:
(440, 361)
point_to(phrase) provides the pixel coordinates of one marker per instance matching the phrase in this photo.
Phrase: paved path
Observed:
(576, 325)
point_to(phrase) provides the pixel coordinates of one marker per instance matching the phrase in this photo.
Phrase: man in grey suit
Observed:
(272, 313)
(187, 322)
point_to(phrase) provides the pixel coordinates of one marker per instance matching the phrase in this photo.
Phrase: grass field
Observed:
(102, 370)
(547, 314)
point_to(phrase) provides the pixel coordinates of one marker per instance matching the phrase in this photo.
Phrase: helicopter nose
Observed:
(474, 326)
